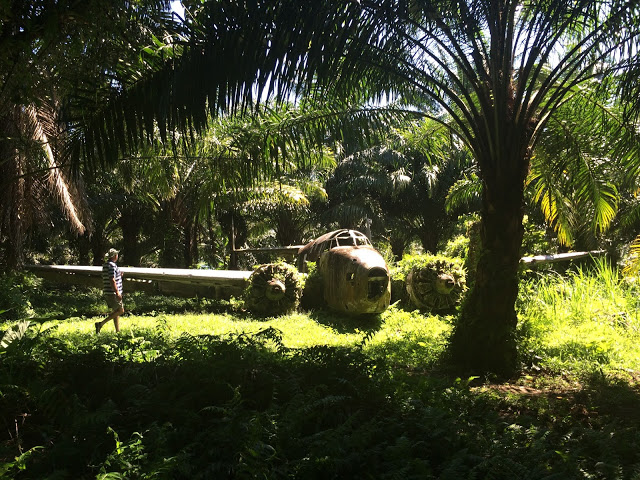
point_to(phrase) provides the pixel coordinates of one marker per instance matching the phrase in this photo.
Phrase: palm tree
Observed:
(242, 163)
(401, 186)
(31, 176)
(575, 182)
(576, 177)
(499, 69)
(286, 208)
(54, 51)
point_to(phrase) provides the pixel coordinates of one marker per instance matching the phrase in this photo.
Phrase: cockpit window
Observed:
(338, 238)
(349, 238)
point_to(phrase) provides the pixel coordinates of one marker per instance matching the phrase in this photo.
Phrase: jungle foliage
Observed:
(313, 395)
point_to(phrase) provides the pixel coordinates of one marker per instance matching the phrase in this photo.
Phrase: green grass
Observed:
(200, 389)
(583, 322)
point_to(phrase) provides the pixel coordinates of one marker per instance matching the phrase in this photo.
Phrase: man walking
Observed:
(112, 288)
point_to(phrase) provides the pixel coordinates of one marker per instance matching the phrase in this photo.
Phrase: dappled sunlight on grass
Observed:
(582, 322)
(407, 337)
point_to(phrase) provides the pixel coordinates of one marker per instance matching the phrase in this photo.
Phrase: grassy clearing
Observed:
(299, 330)
(214, 393)
(582, 322)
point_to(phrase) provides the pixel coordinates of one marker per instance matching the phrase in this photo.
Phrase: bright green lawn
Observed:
(404, 337)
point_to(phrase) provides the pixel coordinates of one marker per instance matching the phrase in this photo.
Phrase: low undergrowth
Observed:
(583, 322)
(314, 395)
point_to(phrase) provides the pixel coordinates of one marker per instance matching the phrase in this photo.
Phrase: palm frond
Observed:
(553, 204)
(57, 181)
(350, 214)
(633, 267)
(583, 161)
(464, 193)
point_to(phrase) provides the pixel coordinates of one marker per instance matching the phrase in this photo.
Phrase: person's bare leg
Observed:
(112, 316)
(116, 318)
(99, 325)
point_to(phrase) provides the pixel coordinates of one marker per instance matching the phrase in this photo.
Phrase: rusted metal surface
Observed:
(356, 279)
(343, 237)
(274, 289)
(436, 287)
(355, 276)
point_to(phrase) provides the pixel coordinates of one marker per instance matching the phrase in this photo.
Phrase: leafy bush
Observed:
(583, 320)
(535, 240)
(15, 290)
(313, 292)
(457, 247)
(147, 405)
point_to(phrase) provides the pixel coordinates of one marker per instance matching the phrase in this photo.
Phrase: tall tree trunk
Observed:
(83, 247)
(234, 226)
(430, 231)
(131, 226)
(484, 339)
(171, 253)
(212, 251)
(398, 244)
(12, 194)
(195, 239)
(429, 238)
(14, 254)
(98, 245)
(190, 235)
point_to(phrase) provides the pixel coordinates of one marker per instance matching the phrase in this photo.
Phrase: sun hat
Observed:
(112, 253)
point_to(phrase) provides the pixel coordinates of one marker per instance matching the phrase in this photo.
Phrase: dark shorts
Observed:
(113, 302)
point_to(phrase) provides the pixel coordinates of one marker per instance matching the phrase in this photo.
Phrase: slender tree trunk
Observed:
(188, 247)
(171, 253)
(195, 252)
(212, 253)
(98, 245)
(398, 244)
(430, 231)
(131, 226)
(484, 339)
(12, 193)
(83, 246)
(429, 238)
(16, 234)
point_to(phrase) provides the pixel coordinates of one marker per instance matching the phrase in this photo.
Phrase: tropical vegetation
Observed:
(480, 129)
(195, 389)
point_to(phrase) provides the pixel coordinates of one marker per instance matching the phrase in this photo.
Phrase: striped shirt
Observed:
(110, 270)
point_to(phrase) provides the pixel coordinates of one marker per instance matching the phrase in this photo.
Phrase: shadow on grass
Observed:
(144, 405)
(347, 323)
(613, 398)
